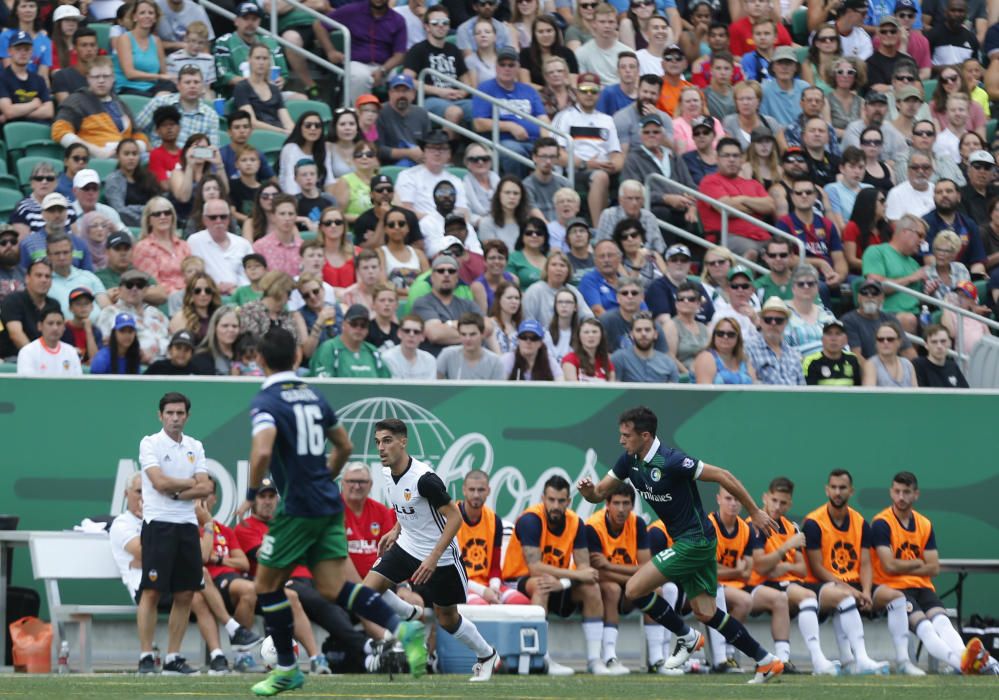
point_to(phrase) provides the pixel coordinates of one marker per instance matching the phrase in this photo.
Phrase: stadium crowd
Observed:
(835, 565)
(236, 199)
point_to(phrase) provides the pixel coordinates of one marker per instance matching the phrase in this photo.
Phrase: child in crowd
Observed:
(255, 267)
(195, 51)
(311, 200)
(80, 332)
(246, 356)
(243, 190)
(165, 157)
(756, 64)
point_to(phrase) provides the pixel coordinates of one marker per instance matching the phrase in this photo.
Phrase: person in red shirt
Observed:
(746, 195)
(307, 603)
(165, 157)
(741, 31)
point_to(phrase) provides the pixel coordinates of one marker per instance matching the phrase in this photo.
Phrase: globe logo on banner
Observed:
(429, 438)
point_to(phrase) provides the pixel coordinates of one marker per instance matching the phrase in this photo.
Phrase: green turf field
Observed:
(634, 687)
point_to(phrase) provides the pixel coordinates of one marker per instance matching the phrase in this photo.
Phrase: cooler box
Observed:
(519, 633)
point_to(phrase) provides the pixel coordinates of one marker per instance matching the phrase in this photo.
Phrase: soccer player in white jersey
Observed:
(422, 547)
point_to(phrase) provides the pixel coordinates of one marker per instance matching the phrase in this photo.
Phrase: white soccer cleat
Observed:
(557, 669)
(598, 668)
(617, 668)
(871, 668)
(683, 650)
(483, 670)
(829, 669)
(909, 669)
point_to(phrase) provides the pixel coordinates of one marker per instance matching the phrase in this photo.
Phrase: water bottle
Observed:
(63, 657)
(157, 661)
(924, 316)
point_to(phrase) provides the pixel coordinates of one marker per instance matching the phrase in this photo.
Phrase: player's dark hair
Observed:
(556, 482)
(393, 425)
(277, 347)
(623, 488)
(175, 397)
(475, 474)
(781, 484)
(842, 472)
(907, 479)
(470, 318)
(641, 418)
(53, 309)
(35, 263)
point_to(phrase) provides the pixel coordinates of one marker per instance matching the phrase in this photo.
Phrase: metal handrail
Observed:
(726, 210)
(495, 143)
(309, 56)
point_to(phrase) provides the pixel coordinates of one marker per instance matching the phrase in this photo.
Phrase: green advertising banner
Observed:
(69, 445)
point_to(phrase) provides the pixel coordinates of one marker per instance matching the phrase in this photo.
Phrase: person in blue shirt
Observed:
(782, 93)
(599, 285)
(24, 96)
(622, 94)
(667, 479)
(291, 424)
(122, 354)
(948, 215)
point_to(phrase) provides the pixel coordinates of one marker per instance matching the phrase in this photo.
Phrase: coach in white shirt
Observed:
(222, 251)
(48, 356)
(174, 475)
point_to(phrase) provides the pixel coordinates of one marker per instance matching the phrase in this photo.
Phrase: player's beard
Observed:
(555, 520)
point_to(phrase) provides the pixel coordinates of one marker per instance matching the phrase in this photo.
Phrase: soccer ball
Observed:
(268, 653)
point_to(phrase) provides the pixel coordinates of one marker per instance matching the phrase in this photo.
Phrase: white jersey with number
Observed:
(415, 497)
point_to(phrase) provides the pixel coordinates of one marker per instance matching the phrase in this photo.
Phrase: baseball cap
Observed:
(740, 270)
(761, 133)
(401, 79)
(21, 38)
(367, 99)
(905, 5)
(182, 338)
(792, 150)
(124, 320)
(119, 238)
(249, 8)
(133, 274)
(357, 311)
(10, 233)
(577, 221)
(889, 19)
(874, 97)
(677, 249)
(967, 288)
(591, 78)
(981, 157)
(529, 325)
(435, 137)
(507, 53)
(858, 5)
(785, 53)
(702, 122)
(54, 199)
(381, 180)
(673, 48)
(833, 323)
(871, 284)
(445, 259)
(88, 176)
(651, 119)
(166, 113)
(80, 293)
(775, 304)
(267, 484)
(66, 12)
(907, 93)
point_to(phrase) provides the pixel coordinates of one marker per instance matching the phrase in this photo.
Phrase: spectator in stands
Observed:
(223, 252)
(66, 277)
(11, 274)
(119, 261)
(21, 312)
(886, 367)
(807, 318)
(48, 356)
(196, 115)
(735, 298)
(254, 267)
(178, 362)
(87, 192)
(741, 31)
(814, 141)
(530, 252)
(638, 260)
(913, 41)
(122, 354)
(261, 97)
(139, 57)
(616, 96)
(415, 185)
(685, 333)
(281, 245)
(558, 91)
(75, 158)
(177, 16)
(674, 68)
(24, 95)
(589, 360)
(348, 354)
(442, 307)
(600, 54)
(719, 95)
(567, 206)
(159, 250)
(270, 310)
(862, 323)
(80, 331)
(924, 133)
(196, 38)
(543, 182)
(874, 115)
(661, 294)
(496, 255)
(756, 61)
(444, 99)
(823, 247)
(657, 35)
(480, 181)
(469, 359)
(306, 142)
(515, 132)
(353, 189)
(951, 81)
(369, 273)
(232, 51)
(546, 43)
(24, 17)
(782, 93)
(28, 217)
(981, 188)
(320, 316)
(465, 32)
(638, 360)
(383, 330)
(126, 189)
(201, 299)
(439, 222)
(943, 275)
(909, 103)
(913, 195)
(564, 322)
(631, 201)
(843, 192)
(239, 130)
(506, 312)
(406, 361)
(947, 216)
(938, 369)
(529, 360)
(598, 286)
(777, 282)
(887, 54)
(972, 330)
(747, 118)
(539, 298)
(654, 157)
(876, 171)
(833, 365)
(402, 125)
(627, 120)
(71, 78)
(401, 262)
(824, 52)
(950, 40)
(378, 36)
(867, 227)
(776, 360)
(812, 104)
(746, 195)
(217, 353)
(893, 261)
(724, 360)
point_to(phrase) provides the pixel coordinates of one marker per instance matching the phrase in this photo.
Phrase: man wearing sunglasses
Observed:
(151, 325)
(119, 247)
(823, 246)
(28, 214)
(861, 324)
(981, 187)
(348, 354)
(223, 252)
(832, 365)
(775, 360)
(913, 195)
(443, 98)
(86, 193)
(875, 114)
(887, 54)
(441, 309)
(11, 274)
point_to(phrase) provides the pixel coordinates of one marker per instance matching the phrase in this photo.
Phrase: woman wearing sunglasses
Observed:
(353, 190)
(581, 29)
(636, 258)
(823, 51)
(75, 158)
(686, 337)
(529, 361)
(402, 263)
(887, 367)
(530, 252)
(804, 327)
(724, 360)
(950, 82)
(339, 252)
(480, 182)
(261, 221)
(201, 299)
(847, 76)
(160, 251)
(323, 319)
(306, 141)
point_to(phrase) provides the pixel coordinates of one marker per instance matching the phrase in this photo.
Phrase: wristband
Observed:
(251, 494)
(566, 583)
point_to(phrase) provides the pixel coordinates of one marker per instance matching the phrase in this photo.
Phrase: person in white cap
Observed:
(27, 216)
(56, 218)
(87, 190)
(980, 188)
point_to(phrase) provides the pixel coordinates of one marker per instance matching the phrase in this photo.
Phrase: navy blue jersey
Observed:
(881, 534)
(668, 483)
(298, 464)
(657, 540)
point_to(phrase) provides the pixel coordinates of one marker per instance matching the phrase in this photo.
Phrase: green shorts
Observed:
(691, 564)
(295, 540)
